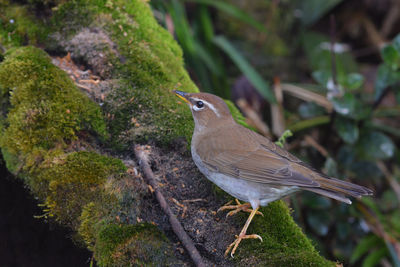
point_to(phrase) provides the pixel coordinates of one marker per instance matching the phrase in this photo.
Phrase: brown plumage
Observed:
(249, 166)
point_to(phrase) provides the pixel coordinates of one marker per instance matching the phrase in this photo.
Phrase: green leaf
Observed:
(182, 28)
(344, 105)
(388, 201)
(384, 78)
(352, 81)
(376, 145)
(347, 129)
(254, 77)
(366, 169)
(320, 58)
(346, 156)
(310, 109)
(390, 56)
(312, 10)
(330, 167)
(396, 42)
(233, 11)
(375, 257)
(309, 123)
(321, 76)
(367, 243)
(207, 59)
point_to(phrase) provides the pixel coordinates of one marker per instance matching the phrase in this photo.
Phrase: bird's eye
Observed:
(199, 104)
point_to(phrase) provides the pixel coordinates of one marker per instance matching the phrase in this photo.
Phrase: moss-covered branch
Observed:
(53, 136)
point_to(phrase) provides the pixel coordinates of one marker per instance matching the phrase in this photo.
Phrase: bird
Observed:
(249, 166)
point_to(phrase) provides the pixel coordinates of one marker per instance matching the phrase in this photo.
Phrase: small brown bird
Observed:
(250, 167)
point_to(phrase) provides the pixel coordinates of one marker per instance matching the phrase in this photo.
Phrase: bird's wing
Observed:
(243, 154)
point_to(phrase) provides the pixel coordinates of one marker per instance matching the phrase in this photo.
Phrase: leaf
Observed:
(319, 56)
(207, 59)
(346, 156)
(330, 167)
(310, 109)
(182, 28)
(347, 129)
(344, 105)
(390, 56)
(352, 81)
(388, 201)
(396, 42)
(254, 77)
(385, 77)
(366, 244)
(312, 10)
(376, 145)
(321, 76)
(233, 11)
(366, 170)
(375, 257)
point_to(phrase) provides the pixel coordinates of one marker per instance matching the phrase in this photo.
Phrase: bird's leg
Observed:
(242, 235)
(246, 207)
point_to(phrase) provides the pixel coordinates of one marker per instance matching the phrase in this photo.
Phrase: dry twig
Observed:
(141, 155)
(278, 120)
(254, 119)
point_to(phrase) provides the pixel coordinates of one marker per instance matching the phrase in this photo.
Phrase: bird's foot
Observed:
(234, 245)
(246, 207)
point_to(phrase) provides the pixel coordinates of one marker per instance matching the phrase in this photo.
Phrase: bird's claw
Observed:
(234, 245)
(246, 207)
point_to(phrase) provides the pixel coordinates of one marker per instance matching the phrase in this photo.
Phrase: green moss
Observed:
(152, 67)
(12, 162)
(18, 27)
(78, 177)
(46, 107)
(132, 245)
(284, 243)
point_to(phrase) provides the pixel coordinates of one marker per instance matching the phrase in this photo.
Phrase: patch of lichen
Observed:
(18, 26)
(132, 245)
(46, 107)
(284, 243)
(79, 178)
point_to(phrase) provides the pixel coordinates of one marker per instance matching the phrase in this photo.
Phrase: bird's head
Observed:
(208, 110)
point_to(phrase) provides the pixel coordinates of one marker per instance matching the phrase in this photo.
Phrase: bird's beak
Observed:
(182, 95)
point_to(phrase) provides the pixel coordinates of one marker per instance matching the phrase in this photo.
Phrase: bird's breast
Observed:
(240, 188)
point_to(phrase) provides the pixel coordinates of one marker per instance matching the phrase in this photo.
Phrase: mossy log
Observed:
(75, 155)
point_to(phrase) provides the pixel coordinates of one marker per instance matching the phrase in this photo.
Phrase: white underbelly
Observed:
(244, 190)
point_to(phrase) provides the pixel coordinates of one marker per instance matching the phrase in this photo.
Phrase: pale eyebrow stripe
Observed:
(211, 106)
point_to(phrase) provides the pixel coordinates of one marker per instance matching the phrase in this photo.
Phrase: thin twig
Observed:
(254, 119)
(311, 142)
(307, 95)
(382, 96)
(141, 155)
(278, 120)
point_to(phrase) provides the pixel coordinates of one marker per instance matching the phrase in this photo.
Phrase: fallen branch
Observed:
(141, 155)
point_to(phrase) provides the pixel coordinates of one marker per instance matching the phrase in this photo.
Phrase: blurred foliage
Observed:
(358, 137)
(202, 48)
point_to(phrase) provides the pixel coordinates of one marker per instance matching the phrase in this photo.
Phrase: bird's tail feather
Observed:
(338, 189)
